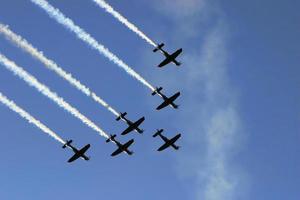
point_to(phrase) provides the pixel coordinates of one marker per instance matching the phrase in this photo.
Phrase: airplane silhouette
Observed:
(169, 57)
(121, 147)
(77, 153)
(168, 142)
(131, 125)
(167, 100)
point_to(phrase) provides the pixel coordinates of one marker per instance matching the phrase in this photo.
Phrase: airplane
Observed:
(131, 125)
(168, 142)
(121, 147)
(78, 153)
(169, 58)
(167, 100)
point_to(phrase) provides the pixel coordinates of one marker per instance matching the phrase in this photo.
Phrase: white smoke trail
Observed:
(11, 105)
(32, 81)
(87, 38)
(50, 64)
(123, 20)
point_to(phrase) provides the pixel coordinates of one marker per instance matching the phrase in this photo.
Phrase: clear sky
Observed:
(239, 111)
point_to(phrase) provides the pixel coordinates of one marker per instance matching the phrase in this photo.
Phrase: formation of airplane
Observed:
(131, 125)
(169, 57)
(121, 147)
(135, 125)
(168, 142)
(167, 100)
(77, 153)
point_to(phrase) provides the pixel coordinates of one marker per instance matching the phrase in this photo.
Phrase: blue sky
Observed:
(239, 110)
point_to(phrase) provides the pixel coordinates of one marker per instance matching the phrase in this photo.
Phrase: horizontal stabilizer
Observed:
(111, 138)
(157, 90)
(158, 132)
(158, 47)
(67, 143)
(122, 115)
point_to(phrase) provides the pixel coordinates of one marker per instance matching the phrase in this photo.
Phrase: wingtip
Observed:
(123, 133)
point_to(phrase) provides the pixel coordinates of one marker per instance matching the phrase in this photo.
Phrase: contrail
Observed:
(32, 81)
(50, 64)
(123, 20)
(11, 105)
(87, 38)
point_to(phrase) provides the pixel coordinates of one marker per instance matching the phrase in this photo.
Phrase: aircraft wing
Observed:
(138, 123)
(161, 106)
(75, 157)
(84, 149)
(117, 152)
(126, 145)
(176, 53)
(139, 130)
(174, 139)
(165, 62)
(174, 97)
(127, 130)
(163, 147)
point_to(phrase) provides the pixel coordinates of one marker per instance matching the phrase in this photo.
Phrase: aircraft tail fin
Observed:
(67, 143)
(158, 132)
(158, 47)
